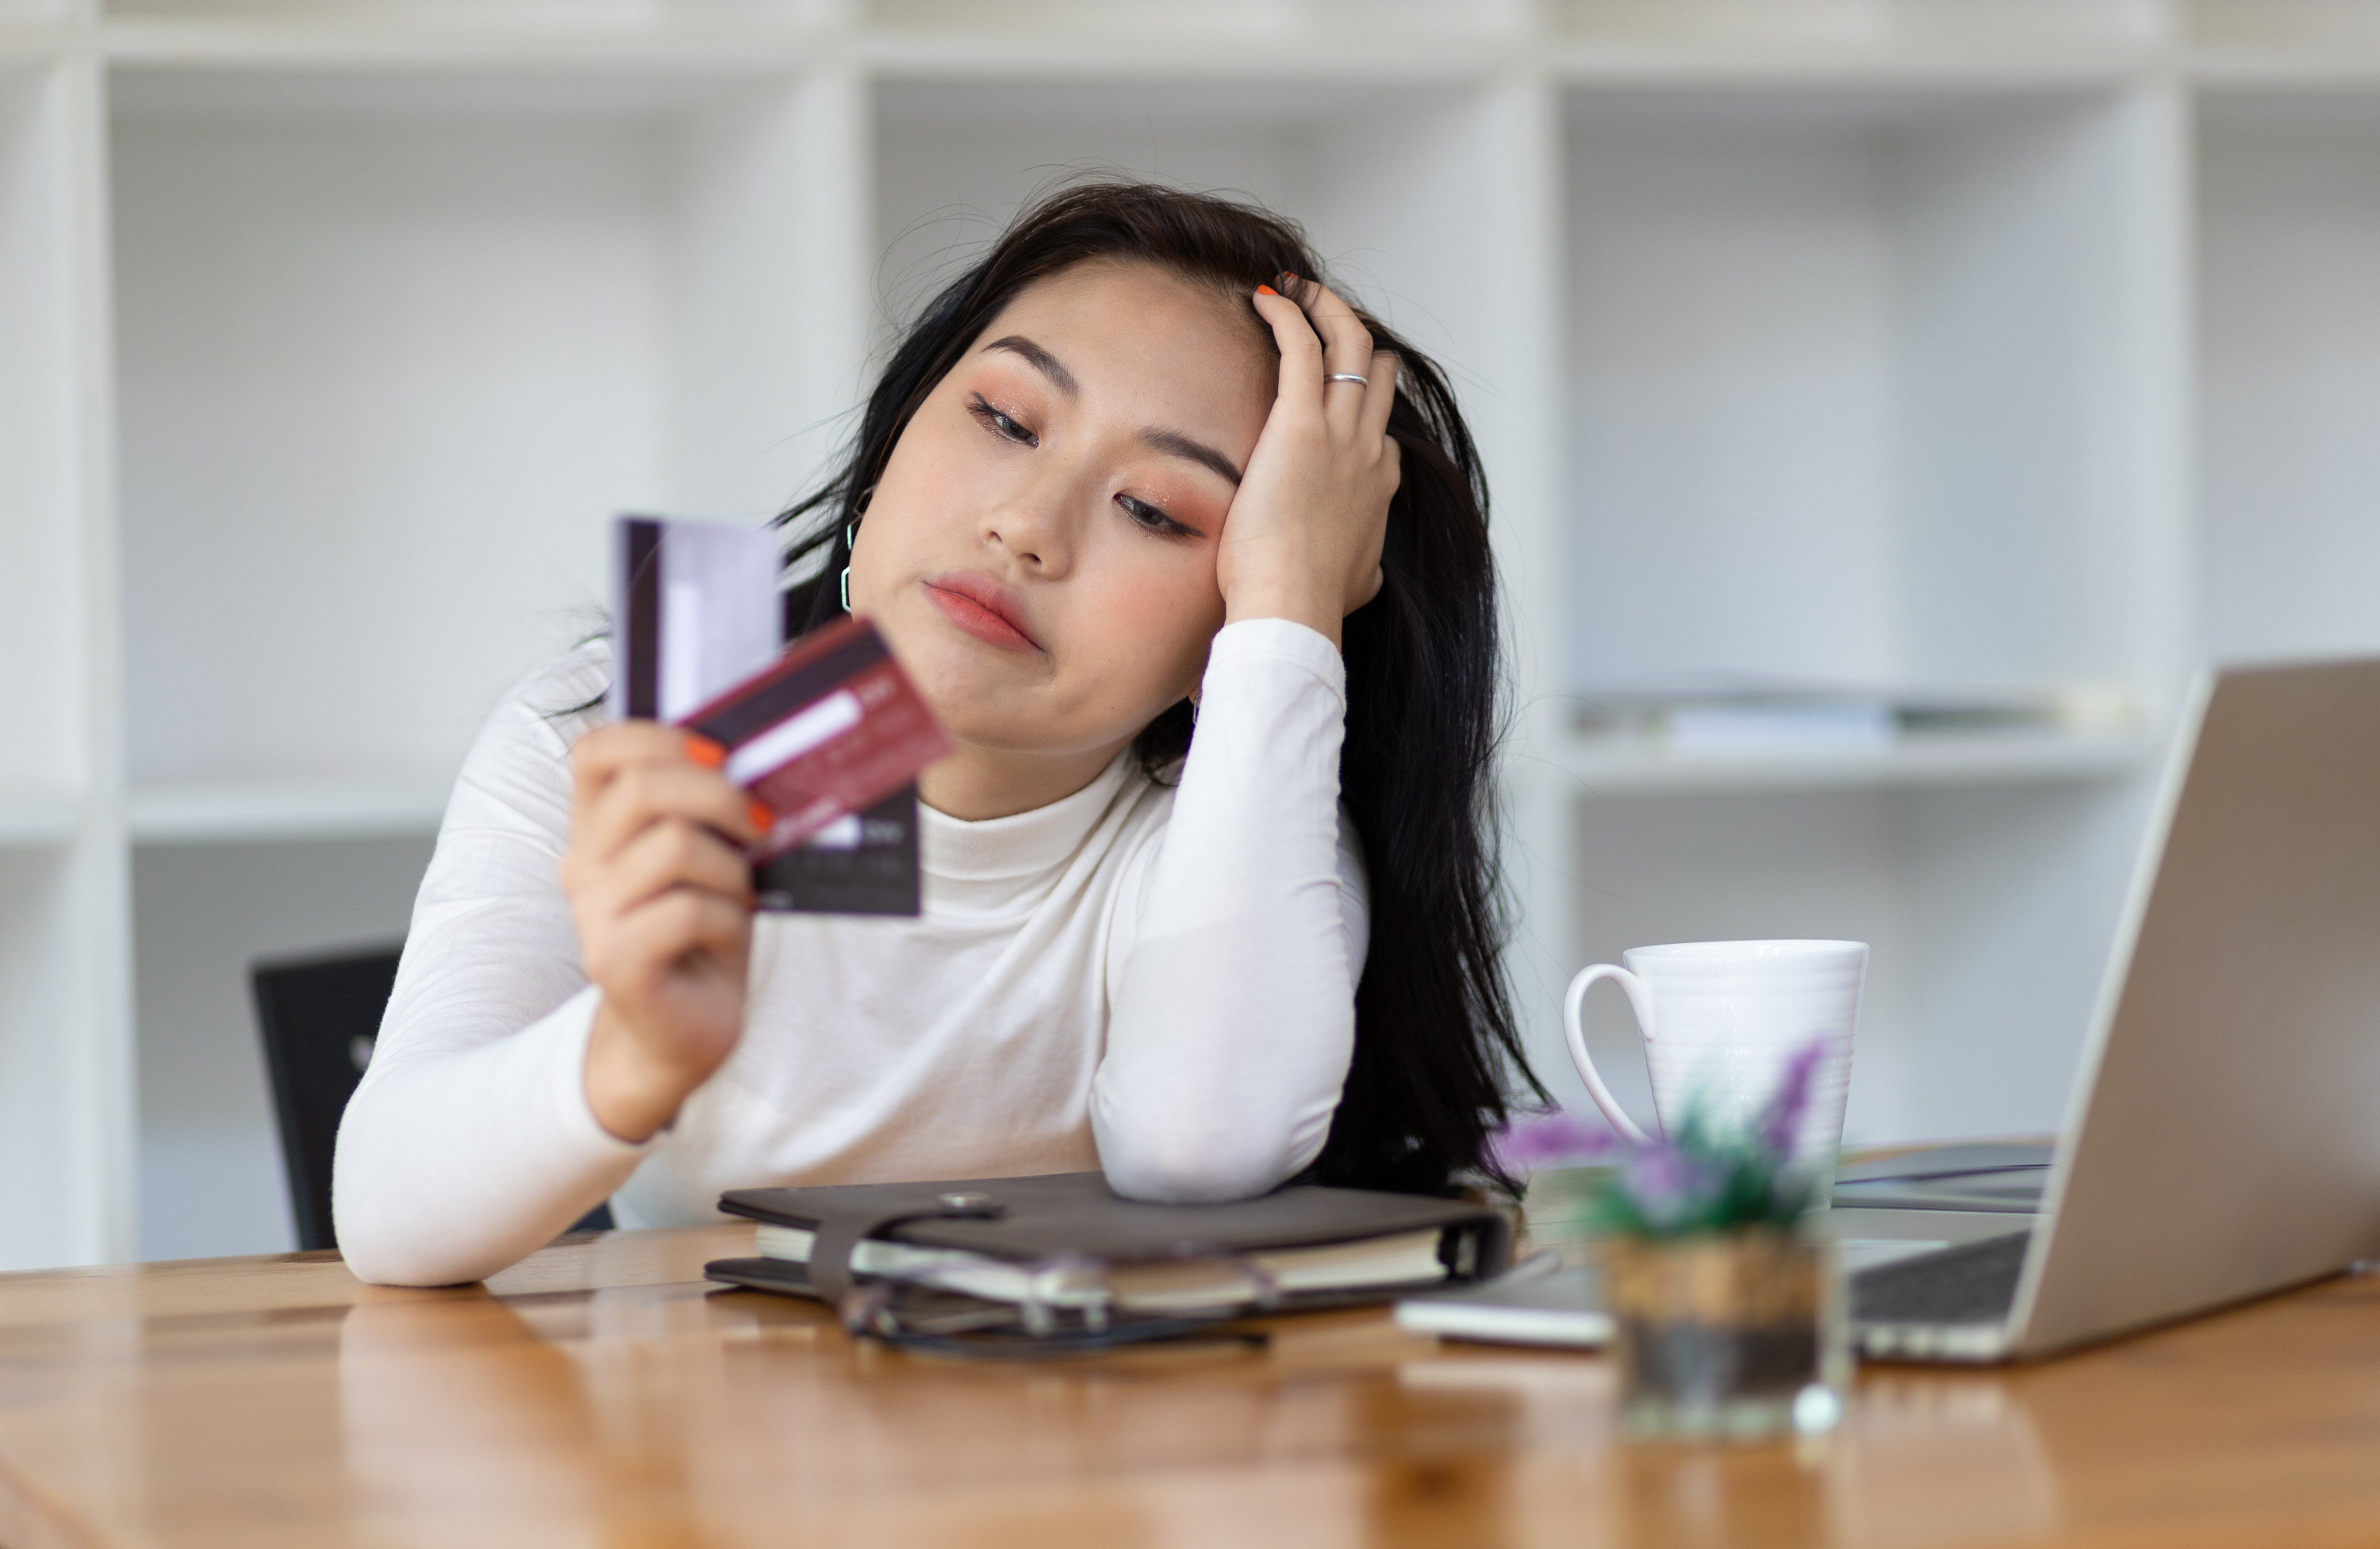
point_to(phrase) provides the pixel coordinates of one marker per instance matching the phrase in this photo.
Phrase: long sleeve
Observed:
(1201, 1007)
(1235, 1019)
(470, 1142)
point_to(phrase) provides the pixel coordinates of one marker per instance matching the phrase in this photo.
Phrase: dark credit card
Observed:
(865, 865)
(825, 734)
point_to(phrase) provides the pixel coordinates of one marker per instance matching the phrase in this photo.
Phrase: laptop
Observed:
(2224, 1140)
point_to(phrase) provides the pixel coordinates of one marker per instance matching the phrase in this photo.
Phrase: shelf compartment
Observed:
(396, 348)
(1856, 386)
(209, 1173)
(2288, 240)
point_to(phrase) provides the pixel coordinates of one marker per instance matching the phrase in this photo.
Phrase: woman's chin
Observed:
(976, 707)
(1006, 721)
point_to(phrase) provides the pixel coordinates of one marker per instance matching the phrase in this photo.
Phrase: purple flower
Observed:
(1670, 1184)
(1547, 1140)
(1781, 1122)
(1706, 1176)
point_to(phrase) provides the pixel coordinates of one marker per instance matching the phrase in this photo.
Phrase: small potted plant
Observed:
(1724, 1313)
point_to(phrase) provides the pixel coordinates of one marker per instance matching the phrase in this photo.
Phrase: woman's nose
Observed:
(1033, 525)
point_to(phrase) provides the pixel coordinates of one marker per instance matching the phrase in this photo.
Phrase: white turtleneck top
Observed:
(1159, 982)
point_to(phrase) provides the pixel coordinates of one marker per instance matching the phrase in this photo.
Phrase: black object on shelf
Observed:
(320, 1017)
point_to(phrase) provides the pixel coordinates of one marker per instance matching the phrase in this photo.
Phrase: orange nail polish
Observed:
(1267, 290)
(703, 751)
(762, 817)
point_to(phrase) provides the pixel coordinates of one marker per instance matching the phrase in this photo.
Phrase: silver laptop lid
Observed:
(2225, 1134)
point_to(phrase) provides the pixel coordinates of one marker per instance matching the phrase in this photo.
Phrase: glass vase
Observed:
(1734, 1334)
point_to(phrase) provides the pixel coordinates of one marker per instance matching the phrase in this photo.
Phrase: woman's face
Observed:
(1040, 551)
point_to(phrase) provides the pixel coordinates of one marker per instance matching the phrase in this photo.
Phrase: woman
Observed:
(1129, 476)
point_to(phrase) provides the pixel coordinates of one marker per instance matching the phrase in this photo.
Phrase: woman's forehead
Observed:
(1107, 303)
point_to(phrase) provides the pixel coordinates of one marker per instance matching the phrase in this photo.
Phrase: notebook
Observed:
(1077, 1244)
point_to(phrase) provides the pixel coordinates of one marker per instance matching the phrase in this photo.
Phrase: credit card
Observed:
(828, 732)
(865, 864)
(697, 610)
(695, 607)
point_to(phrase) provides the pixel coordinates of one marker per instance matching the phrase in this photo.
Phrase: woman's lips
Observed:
(983, 607)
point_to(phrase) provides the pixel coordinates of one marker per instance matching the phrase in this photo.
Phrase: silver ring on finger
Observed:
(1349, 376)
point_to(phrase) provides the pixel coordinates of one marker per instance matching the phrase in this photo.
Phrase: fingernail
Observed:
(703, 751)
(1267, 290)
(1287, 279)
(763, 818)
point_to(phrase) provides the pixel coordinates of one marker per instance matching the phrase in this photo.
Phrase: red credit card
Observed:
(830, 729)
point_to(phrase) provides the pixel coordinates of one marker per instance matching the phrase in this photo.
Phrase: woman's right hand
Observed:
(663, 898)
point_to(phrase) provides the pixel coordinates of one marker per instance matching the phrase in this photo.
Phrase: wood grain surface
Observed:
(601, 1394)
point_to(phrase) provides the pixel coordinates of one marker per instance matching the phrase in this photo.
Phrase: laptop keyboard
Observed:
(1973, 1283)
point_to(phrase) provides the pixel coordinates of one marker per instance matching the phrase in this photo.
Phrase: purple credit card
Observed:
(698, 609)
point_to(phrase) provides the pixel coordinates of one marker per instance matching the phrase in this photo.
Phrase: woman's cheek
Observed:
(1165, 616)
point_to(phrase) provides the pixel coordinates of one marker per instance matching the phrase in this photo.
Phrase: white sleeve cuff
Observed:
(1281, 640)
(452, 1166)
(564, 1035)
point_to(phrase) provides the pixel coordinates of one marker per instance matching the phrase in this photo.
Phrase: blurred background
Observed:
(1889, 404)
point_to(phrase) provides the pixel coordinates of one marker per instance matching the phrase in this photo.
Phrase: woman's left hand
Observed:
(1303, 537)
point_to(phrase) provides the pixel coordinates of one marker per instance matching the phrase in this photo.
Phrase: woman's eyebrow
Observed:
(1041, 360)
(1174, 443)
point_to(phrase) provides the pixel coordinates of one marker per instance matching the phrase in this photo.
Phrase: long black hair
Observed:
(1434, 1030)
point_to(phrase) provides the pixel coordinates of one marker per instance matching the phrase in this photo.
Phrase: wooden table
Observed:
(600, 1394)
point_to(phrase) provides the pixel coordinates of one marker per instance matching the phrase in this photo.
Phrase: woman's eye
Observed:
(1150, 517)
(1001, 425)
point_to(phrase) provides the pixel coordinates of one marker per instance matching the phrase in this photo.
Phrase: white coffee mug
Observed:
(1722, 1020)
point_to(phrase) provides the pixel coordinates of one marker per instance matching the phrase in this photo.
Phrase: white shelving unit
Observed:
(2012, 342)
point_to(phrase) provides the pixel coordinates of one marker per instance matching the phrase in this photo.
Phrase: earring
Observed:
(850, 539)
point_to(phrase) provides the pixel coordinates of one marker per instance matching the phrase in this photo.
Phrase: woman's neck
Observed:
(973, 785)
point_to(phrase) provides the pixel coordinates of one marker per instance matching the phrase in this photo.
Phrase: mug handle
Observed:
(1637, 998)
